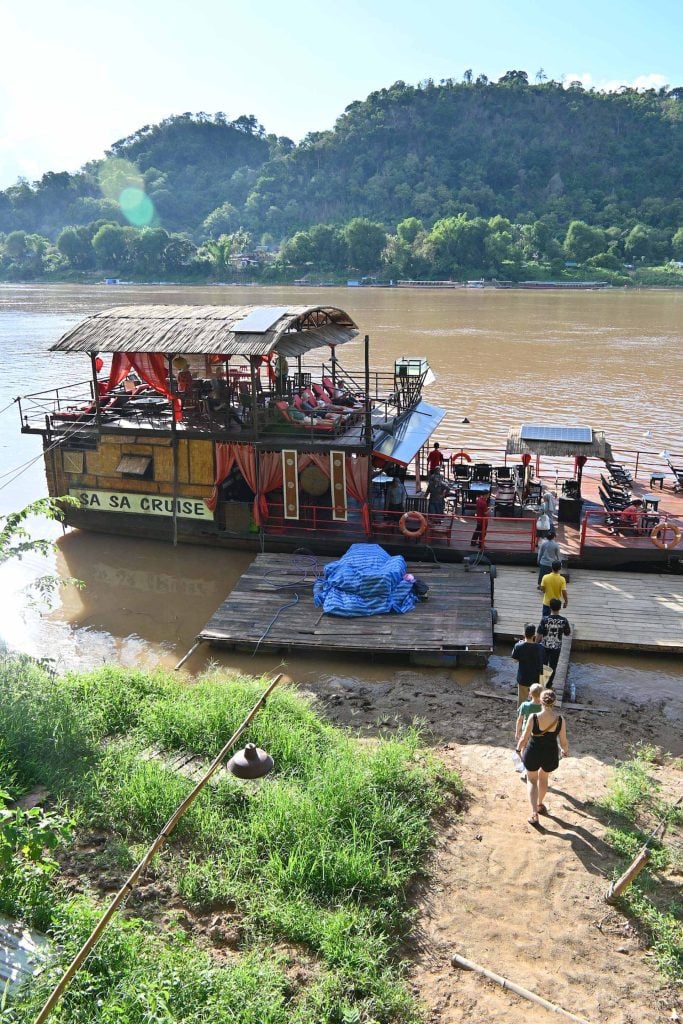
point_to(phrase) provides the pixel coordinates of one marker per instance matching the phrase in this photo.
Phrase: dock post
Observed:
(174, 445)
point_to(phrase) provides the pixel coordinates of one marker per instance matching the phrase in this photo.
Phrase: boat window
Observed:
(140, 466)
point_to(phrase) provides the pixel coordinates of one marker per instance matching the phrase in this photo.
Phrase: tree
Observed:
(677, 245)
(583, 241)
(517, 79)
(16, 541)
(644, 243)
(298, 250)
(329, 249)
(457, 243)
(366, 241)
(409, 229)
(15, 245)
(76, 245)
(222, 221)
(111, 246)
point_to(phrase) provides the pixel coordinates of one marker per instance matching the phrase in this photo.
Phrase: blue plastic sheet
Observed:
(365, 581)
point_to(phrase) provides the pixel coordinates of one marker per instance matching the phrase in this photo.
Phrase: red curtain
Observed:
(270, 477)
(357, 485)
(245, 456)
(152, 368)
(225, 460)
(321, 461)
(120, 365)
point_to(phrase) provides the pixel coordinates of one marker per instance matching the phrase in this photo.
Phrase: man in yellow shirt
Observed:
(552, 585)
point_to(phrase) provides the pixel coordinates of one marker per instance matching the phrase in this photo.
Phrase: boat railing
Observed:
(641, 464)
(446, 530)
(35, 408)
(600, 528)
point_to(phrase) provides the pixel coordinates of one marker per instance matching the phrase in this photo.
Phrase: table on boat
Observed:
(149, 406)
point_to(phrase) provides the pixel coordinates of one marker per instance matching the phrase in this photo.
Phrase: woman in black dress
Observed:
(543, 739)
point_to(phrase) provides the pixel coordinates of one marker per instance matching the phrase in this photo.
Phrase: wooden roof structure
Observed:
(209, 330)
(597, 448)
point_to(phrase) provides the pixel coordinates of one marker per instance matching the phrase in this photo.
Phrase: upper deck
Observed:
(238, 374)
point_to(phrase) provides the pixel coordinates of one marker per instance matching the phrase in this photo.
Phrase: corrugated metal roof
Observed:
(22, 952)
(206, 330)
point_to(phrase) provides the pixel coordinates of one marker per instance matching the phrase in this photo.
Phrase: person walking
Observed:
(396, 496)
(529, 707)
(435, 458)
(544, 737)
(481, 510)
(548, 552)
(550, 631)
(436, 492)
(553, 584)
(529, 657)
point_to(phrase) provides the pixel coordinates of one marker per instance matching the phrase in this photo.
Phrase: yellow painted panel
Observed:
(195, 490)
(201, 461)
(163, 465)
(103, 461)
(118, 483)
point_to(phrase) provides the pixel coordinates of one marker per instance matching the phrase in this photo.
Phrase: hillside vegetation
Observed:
(427, 180)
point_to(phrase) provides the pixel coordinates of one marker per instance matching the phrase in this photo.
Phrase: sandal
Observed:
(533, 820)
(542, 809)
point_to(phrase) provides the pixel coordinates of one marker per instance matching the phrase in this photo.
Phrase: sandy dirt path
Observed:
(526, 903)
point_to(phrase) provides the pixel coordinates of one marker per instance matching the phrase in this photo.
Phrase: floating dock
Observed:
(453, 626)
(614, 610)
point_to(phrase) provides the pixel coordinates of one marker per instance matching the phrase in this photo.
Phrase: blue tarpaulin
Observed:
(365, 581)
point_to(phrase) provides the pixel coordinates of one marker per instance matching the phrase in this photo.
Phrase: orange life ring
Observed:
(658, 536)
(461, 456)
(415, 517)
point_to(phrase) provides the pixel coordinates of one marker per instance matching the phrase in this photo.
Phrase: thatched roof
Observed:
(210, 330)
(597, 448)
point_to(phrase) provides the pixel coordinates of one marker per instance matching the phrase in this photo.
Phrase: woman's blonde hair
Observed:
(548, 698)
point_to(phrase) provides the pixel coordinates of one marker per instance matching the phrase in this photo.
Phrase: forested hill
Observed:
(188, 165)
(517, 150)
(495, 178)
(430, 151)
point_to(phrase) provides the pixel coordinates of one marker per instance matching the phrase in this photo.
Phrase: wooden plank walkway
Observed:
(455, 621)
(618, 610)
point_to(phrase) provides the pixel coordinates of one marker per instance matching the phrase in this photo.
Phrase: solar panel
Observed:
(573, 435)
(259, 320)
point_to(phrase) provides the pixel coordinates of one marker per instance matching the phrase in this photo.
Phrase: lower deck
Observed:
(614, 610)
(271, 608)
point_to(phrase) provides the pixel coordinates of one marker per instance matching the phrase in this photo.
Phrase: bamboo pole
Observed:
(632, 871)
(640, 860)
(469, 965)
(189, 654)
(127, 887)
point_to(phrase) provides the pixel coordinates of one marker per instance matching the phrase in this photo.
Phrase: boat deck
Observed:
(454, 625)
(619, 610)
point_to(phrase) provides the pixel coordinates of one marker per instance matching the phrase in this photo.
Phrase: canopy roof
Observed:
(210, 330)
(402, 443)
(598, 447)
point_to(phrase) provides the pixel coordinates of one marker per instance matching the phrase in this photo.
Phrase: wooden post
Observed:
(254, 396)
(368, 409)
(127, 887)
(98, 410)
(174, 446)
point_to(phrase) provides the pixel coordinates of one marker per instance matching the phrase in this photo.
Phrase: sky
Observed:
(78, 75)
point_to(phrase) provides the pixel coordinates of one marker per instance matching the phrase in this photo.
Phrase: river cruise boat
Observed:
(245, 426)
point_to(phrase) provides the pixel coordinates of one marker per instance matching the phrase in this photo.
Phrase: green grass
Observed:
(319, 856)
(633, 807)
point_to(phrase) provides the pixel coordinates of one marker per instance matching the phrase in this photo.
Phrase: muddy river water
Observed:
(613, 359)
